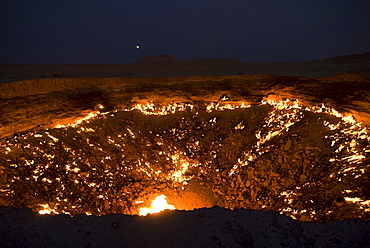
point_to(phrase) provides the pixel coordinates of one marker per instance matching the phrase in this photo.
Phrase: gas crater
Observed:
(309, 163)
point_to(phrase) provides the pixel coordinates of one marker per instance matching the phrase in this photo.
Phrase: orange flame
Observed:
(158, 204)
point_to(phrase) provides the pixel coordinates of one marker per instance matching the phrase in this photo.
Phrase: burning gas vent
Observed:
(310, 163)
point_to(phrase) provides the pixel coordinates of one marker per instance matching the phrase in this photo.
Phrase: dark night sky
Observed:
(107, 31)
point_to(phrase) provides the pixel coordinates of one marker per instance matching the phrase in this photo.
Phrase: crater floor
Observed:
(307, 163)
(109, 146)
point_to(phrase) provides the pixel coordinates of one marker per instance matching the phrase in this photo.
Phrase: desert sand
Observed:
(169, 66)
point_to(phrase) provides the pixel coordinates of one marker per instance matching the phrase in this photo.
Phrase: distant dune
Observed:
(162, 58)
(363, 57)
(169, 65)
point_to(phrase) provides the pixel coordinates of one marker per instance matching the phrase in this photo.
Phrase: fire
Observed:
(54, 150)
(158, 204)
(47, 209)
(77, 122)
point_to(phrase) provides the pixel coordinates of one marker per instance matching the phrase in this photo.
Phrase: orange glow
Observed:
(79, 121)
(47, 209)
(347, 138)
(157, 205)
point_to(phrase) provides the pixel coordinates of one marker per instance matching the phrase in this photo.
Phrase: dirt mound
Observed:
(348, 77)
(161, 58)
(363, 57)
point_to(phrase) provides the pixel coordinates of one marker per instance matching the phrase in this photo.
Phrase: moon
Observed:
(137, 47)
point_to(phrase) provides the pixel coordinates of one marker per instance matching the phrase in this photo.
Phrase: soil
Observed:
(211, 227)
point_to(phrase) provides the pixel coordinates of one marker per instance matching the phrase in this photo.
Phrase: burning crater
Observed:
(310, 163)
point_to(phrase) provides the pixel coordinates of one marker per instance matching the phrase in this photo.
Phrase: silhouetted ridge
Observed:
(161, 58)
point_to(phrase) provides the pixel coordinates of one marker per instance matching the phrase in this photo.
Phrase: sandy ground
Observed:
(35, 97)
(157, 67)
